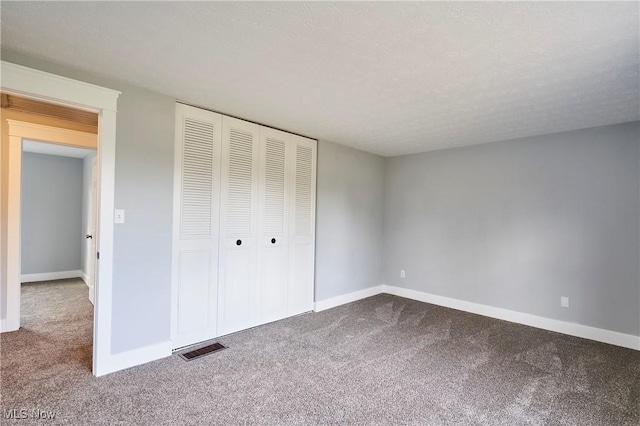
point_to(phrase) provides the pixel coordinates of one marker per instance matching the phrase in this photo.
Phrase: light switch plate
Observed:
(564, 301)
(119, 216)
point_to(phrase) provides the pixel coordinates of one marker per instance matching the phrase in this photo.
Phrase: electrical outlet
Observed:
(402, 273)
(564, 301)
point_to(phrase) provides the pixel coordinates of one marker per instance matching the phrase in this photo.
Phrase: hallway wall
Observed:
(51, 213)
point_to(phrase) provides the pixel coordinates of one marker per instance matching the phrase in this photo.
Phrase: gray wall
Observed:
(513, 224)
(348, 221)
(518, 224)
(51, 213)
(144, 188)
(87, 164)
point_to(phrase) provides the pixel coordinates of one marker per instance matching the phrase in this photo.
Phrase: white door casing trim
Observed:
(37, 84)
(90, 247)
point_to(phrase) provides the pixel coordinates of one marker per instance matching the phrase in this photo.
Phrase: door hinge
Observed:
(98, 255)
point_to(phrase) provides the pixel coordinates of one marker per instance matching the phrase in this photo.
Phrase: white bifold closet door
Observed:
(302, 211)
(239, 299)
(271, 277)
(274, 192)
(196, 225)
(244, 225)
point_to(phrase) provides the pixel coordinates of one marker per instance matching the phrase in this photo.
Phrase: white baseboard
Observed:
(584, 331)
(48, 276)
(6, 325)
(347, 298)
(133, 358)
(84, 277)
(572, 329)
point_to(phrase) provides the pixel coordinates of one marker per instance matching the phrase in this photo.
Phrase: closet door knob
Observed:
(273, 241)
(238, 242)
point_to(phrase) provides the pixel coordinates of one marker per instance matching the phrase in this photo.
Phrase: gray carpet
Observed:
(380, 361)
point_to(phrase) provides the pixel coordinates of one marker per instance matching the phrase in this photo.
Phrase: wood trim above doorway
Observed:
(50, 134)
(20, 104)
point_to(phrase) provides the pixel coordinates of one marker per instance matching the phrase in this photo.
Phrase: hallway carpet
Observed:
(380, 361)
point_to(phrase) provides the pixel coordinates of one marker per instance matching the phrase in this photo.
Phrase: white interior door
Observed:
(302, 225)
(196, 226)
(273, 222)
(91, 232)
(239, 295)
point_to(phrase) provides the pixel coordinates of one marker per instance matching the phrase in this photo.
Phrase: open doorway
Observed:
(57, 207)
(58, 210)
(41, 86)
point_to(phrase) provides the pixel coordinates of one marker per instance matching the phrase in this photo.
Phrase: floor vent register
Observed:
(200, 352)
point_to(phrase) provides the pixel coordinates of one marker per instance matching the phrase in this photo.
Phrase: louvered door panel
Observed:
(274, 190)
(238, 306)
(304, 191)
(197, 179)
(302, 227)
(241, 180)
(196, 226)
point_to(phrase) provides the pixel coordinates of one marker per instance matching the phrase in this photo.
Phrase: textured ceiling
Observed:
(389, 78)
